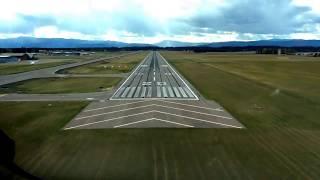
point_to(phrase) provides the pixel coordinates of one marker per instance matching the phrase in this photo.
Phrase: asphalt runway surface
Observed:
(154, 78)
(153, 113)
(95, 96)
(154, 96)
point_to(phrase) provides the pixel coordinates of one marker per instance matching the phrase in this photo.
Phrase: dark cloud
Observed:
(26, 24)
(131, 21)
(255, 16)
(278, 17)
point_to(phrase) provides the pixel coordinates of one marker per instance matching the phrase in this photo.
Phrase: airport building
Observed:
(16, 57)
(67, 53)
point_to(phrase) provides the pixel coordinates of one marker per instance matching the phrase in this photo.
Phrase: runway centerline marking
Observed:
(157, 61)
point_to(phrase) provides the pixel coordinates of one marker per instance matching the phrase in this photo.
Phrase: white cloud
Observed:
(54, 32)
(313, 4)
(150, 21)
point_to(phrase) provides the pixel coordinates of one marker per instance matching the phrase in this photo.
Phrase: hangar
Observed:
(16, 57)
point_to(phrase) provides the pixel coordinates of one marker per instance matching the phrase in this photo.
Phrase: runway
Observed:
(154, 78)
(154, 96)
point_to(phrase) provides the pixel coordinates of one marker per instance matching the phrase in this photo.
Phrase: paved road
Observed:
(154, 78)
(49, 72)
(96, 96)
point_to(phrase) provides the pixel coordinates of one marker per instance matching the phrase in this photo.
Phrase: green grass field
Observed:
(282, 139)
(119, 65)
(61, 85)
(46, 61)
(6, 69)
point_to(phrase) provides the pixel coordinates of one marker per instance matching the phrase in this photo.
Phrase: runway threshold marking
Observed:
(179, 77)
(131, 75)
(154, 119)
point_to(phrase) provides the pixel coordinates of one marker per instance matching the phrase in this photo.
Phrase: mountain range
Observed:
(31, 42)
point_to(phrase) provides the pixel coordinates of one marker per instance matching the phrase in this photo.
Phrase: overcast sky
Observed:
(150, 21)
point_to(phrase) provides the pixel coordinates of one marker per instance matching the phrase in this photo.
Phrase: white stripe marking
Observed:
(217, 109)
(136, 122)
(173, 122)
(114, 106)
(84, 117)
(182, 92)
(107, 120)
(153, 119)
(212, 122)
(164, 92)
(179, 77)
(151, 105)
(130, 75)
(124, 94)
(224, 117)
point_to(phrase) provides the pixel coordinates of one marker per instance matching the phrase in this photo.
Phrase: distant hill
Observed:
(273, 42)
(30, 42)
